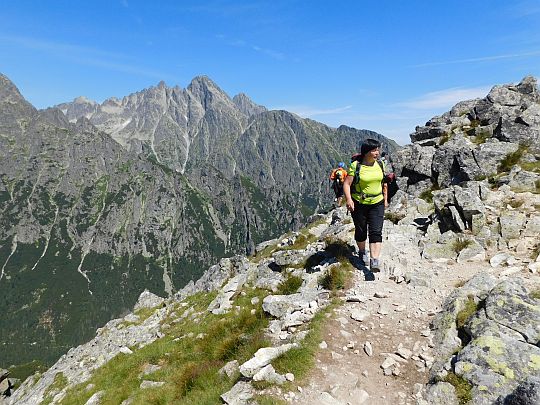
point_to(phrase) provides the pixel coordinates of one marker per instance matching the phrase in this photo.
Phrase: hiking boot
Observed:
(363, 258)
(374, 265)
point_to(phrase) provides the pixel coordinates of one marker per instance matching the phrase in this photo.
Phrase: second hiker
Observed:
(366, 196)
(338, 177)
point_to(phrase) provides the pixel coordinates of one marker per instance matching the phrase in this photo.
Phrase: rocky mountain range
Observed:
(451, 319)
(102, 201)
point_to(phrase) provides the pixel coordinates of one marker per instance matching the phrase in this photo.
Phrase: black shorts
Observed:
(368, 218)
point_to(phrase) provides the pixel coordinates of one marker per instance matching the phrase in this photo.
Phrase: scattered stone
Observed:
(356, 298)
(359, 314)
(268, 373)
(323, 345)
(404, 352)
(126, 350)
(151, 384)
(149, 369)
(240, 394)
(95, 399)
(368, 348)
(263, 357)
(336, 356)
(388, 362)
(229, 369)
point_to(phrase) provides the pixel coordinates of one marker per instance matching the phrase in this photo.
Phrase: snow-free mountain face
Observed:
(100, 201)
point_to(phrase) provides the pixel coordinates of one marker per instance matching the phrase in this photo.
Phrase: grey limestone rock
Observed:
(240, 394)
(148, 300)
(527, 392)
(441, 393)
(263, 357)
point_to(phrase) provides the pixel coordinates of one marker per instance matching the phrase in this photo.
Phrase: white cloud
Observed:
(83, 55)
(480, 59)
(445, 98)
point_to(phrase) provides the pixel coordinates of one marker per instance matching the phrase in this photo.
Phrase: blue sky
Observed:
(381, 65)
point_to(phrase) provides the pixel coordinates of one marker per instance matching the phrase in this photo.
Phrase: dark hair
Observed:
(369, 144)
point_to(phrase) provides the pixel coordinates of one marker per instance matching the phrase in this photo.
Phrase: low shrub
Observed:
(289, 285)
(461, 243)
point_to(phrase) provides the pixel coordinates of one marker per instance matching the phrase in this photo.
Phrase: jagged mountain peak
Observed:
(83, 100)
(247, 106)
(9, 92)
(204, 89)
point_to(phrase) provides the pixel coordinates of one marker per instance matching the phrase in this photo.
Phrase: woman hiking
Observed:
(366, 196)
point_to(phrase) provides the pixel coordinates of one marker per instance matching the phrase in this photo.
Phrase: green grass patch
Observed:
(301, 360)
(189, 366)
(480, 136)
(339, 249)
(444, 138)
(462, 387)
(512, 159)
(465, 314)
(535, 294)
(264, 254)
(23, 371)
(143, 314)
(289, 285)
(268, 400)
(395, 217)
(301, 241)
(59, 383)
(531, 166)
(427, 195)
(515, 203)
(337, 277)
(461, 243)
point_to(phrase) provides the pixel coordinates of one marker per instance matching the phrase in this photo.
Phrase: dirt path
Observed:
(395, 316)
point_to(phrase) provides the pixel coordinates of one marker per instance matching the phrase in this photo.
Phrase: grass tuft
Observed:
(461, 243)
(465, 314)
(462, 386)
(339, 249)
(336, 278)
(512, 159)
(394, 217)
(290, 285)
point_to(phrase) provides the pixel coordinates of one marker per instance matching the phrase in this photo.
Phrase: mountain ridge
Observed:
(87, 222)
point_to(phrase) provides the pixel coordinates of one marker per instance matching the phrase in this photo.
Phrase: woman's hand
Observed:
(350, 204)
(385, 204)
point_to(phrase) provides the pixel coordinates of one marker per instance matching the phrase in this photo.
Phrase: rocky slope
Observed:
(88, 221)
(394, 339)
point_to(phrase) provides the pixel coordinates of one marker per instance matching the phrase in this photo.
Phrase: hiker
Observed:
(337, 177)
(366, 196)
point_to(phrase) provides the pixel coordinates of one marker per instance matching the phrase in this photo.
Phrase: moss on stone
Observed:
(494, 344)
(534, 363)
(469, 309)
(532, 307)
(500, 368)
(463, 388)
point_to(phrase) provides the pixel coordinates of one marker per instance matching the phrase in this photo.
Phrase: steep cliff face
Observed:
(85, 225)
(90, 219)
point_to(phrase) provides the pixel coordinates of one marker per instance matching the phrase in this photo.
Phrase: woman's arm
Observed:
(347, 191)
(385, 194)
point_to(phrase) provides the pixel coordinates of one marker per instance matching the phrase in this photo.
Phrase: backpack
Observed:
(338, 176)
(387, 178)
